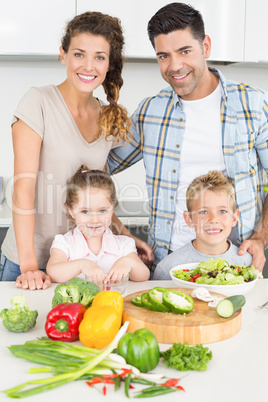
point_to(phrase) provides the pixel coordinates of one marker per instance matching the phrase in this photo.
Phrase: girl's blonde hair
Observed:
(114, 118)
(85, 178)
(213, 181)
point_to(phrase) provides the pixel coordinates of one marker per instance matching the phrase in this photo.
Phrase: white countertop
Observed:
(238, 371)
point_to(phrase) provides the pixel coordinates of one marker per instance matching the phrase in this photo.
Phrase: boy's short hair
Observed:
(215, 181)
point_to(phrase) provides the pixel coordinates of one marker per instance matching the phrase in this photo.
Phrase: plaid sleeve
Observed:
(129, 153)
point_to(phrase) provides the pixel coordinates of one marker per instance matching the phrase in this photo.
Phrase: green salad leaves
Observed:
(184, 357)
(218, 272)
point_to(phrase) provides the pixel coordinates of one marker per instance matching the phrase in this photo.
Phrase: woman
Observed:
(55, 129)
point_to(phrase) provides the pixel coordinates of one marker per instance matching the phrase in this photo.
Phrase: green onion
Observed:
(60, 379)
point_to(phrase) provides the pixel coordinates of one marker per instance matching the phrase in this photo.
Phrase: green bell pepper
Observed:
(136, 301)
(145, 302)
(178, 302)
(155, 296)
(140, 349)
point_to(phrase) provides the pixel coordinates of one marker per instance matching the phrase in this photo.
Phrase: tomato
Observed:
(196, 276)
(191, 280)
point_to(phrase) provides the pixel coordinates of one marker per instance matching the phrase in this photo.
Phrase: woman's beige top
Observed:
(63, 150)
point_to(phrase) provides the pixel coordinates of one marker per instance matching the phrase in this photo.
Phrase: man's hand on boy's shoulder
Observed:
(256, 248)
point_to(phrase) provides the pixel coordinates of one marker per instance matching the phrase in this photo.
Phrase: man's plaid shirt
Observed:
(158, 130)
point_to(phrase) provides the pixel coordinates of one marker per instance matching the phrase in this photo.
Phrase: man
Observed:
(201, 122)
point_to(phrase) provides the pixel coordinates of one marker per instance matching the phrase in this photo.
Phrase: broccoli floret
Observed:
(66, 293)
(88, 291)
(19, 318)
(77, 290)
(76, 282)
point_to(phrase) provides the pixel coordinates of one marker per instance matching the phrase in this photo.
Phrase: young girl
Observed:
(91, 249)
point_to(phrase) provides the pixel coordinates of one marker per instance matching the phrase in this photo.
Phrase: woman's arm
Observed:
(26, 145)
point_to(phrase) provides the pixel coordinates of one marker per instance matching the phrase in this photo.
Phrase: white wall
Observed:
(141, 79)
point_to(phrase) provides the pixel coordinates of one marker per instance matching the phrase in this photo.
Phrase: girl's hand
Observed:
(92, 271)
(119, 270)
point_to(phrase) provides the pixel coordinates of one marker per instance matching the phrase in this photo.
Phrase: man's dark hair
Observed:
(175, 16)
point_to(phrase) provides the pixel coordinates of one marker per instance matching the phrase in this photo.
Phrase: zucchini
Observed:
(227, 307)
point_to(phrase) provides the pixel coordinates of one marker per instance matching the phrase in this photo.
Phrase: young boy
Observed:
(212, 213)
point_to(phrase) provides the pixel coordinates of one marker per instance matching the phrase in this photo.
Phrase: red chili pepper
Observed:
(191, 280)
(196, 276)
(94, 380)
(181, 388)
(107, 381)
(104, 390)
(63, 321)
(171, 382)
(131, 386)
(125, 372)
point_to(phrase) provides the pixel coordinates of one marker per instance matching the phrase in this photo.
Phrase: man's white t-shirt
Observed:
(201, 152)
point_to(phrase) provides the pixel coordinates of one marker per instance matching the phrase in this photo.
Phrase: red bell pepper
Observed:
(63, 321)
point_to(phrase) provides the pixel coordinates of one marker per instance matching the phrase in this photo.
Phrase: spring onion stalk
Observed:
(60, 379)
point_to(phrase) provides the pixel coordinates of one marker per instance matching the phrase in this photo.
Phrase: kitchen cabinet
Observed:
(256, 49)
(224, 23)
(30, 27)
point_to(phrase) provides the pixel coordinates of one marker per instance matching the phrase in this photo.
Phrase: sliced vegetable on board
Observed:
(164, 300)
(228, 306)
(155, 296)
(178, 302)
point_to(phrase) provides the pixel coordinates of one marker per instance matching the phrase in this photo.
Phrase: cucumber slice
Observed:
(227, 307)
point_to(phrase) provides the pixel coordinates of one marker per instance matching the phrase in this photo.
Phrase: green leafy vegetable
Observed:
(19, 318)
(184, 357)
(76, 290)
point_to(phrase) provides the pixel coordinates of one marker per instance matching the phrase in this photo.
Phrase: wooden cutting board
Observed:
(202, 325)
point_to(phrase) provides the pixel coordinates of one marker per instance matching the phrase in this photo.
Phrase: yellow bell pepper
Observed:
(99, 326)
(108, 298)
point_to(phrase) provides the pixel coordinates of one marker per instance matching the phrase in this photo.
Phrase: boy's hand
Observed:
(256, 248)
(119, 270)
(92, 271)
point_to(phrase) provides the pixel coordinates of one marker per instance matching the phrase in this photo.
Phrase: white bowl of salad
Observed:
(217, 276)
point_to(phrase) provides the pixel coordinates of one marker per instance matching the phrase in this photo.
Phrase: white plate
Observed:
(227, 290)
